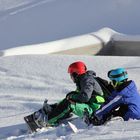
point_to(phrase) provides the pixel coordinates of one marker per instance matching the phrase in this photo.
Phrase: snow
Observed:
(93, 42)
(92, 39)
(29, 75)
(26, 81)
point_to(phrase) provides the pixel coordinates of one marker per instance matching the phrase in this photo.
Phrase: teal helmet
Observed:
(118, 75)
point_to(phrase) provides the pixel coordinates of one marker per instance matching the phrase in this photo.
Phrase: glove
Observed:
(70, 95)
(96, 121)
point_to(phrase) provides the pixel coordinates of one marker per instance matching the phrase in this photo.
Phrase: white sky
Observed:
(47, 20)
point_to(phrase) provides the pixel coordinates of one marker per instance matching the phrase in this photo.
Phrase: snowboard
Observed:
(114, 119)
(34, 126)
(31, 123)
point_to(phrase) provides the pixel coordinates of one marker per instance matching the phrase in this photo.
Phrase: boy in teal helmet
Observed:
(124, 101)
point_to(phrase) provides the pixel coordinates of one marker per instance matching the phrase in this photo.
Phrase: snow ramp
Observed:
(103, 42)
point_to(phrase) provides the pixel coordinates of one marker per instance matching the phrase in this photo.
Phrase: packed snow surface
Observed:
(26, 81)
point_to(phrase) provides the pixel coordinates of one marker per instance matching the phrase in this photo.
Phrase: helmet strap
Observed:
(116, 84)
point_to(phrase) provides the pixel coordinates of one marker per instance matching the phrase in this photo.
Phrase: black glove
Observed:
(70, 95)
(96, 121)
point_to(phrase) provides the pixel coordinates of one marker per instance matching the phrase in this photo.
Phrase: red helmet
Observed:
(77, 67)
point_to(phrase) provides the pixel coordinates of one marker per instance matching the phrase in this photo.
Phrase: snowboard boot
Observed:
(41, 118)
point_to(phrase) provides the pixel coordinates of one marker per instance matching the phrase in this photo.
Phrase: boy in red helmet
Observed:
(88, 97)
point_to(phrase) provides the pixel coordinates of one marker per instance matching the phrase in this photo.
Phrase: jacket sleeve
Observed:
(115, 102)
(85, 93)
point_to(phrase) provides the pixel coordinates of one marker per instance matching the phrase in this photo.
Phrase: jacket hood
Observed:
(90, 72)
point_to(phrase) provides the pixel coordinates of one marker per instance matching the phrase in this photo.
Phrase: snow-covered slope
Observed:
(27, 80)
(103, 42)
(91, 41)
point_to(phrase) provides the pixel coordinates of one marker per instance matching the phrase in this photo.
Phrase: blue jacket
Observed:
(128, 96)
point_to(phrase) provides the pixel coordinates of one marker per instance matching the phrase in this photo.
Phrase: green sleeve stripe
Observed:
(100, 99)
